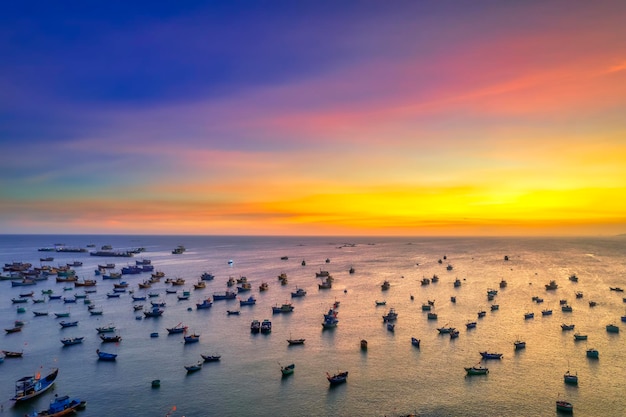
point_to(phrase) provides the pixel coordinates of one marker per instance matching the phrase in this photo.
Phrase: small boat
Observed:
(154, 334)
(592, 303)
(192, 338)
(298, 293)
(432, 316)
(60, 406)
(204, 304)
(546, 312)
(156, 383)
(611, 328)
(228, 295)
(303, 263)
(381, 303)
(579, 294)
(481, 314)
(199, 285)
(233, 312)
(19, 300)
(503, 284)
(519, 344)
(155, 312)
(593, 353)
(565, 327)
(391, 327)
(287, 370)
(31, 386)
(529, 315)
(113, 295)
(210, 358)
(105, 329)
(457, 282)
(488, 355)
(470, 325)
(110, 339)
(12, 354)
(68, 341)
(68, 323)
(104, 356)
(338, 378)
(40, 313)
(618, 289)
(363, 344)
(255, 326)
(445, 330)
(391, 315)
(570, 378)
(415, 342)
(179, 328)
(564, 406)
(193, 368)
(264, 286)
(477, 370)
(385, 285)
(206, 276)
(578, 336)
(552, 285)
(295, 341)
(454, 334)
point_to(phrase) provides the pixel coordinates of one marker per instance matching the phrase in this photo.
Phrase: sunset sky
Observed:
(438, 118)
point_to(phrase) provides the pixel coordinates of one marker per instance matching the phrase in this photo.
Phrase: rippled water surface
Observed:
(391, 378)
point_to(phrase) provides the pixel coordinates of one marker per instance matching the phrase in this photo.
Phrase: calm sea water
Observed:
(391, 378)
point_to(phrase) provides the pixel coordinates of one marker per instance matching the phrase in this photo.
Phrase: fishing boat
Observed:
(295, 341)
(391, 315)
(618, 289)
(255, 326)
(266, 326)
(381, 303)
(445, 330)
(232, 312)
(470, 324)
(60, 406)
(363, 344)
(565, 327)
(228, 295)
(155, 312)
(287, 370)
(529, 315)
(385, 285)
(110, 339)
(210, 358)
(285, 308)
(415, 342)
(193, 368)
(337, 378)
(12, 354)
(68, 341)
(489, 355)
(578, 336)
(33, 385)
(13, 329)
(68, 323)
(298, 293)
(519, 344)
(611, 328)
(593, 353)
(192, 338)
(477, 370)
(204, 304)
(552, 285)
(249, 302)
(457, 282)
(206, 276)
(564, 406)
(391, 327)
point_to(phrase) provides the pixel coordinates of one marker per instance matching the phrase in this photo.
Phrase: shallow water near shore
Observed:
(391, 377)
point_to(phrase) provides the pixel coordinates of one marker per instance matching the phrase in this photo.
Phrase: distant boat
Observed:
(611, 328)
(363, 344)
(255, 326)
(68, 341)
(381, 303)
(567, 326)
(13, 329)
(287, 370)
(179, 328)
(31, 386)
(529, 315)
(552, 285)
(519, 344)
(193, 368)
(470, 324)
(337, 378)
(578, 336)
(68, 323)
(391, 327)
(415, 342)
(564, 406)
(110, 339)
(593, 353)
(298, 293)
(192, 338)
(391, 315)
(204, 304)
(569, 378)
(618, 289)
(477, 370)
(385, 285)
(295, 341)
(573, 278)
(285, 308)
(488, 355)
(266, 326)
(248, 302)
(211, 358)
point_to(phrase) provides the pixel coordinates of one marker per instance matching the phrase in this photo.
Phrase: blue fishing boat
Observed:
(266, 326)
(193, 368)
(155, 312)
(204, 304)
(298, 293)
(287, 370)
(33, 385)
(228, 295)
(249, 302)
(179, 328)
(68, 341)
(192, 338)
(488, 355)
(68, 323)
(60, 406)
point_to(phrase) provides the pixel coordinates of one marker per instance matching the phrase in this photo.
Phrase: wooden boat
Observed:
(211, 358)
(68, 341)
(12, 354)
(104, 356)
(391, 327)
(611, 328)
(445, 330)
(264, 286)
(13, 329)
(68, 323)
(105, 329)
(232, 312)
(33, 385)
(471, 324)
(199, 285)
(415, 342)
(385, 285)
(552, 285)
(567, 326)
(338, 378)
(618, 289)
(255, 326)
(40, 313)
(287, 370)
(110, 339)
(391, 315)
(381, 303)
(192, 338)
(363, 344)
(155, 312)
(488, 355)
(19, 300)
(578, 336)
(593, 353)
(193, 368)
(228, 295)
(295, 341)
(477, 370)
(60, 406)
(529, 315)
(570, 378)
(179, 328)
(266, 326)
(564, 406)
(519, 344)
(85, 283)
(298, 293)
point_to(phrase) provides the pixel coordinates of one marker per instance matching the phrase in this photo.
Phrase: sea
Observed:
(390, 378)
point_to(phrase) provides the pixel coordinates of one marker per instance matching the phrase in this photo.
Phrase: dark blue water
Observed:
(391, 378)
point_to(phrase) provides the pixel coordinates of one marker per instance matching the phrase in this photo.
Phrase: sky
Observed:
(402, 118)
